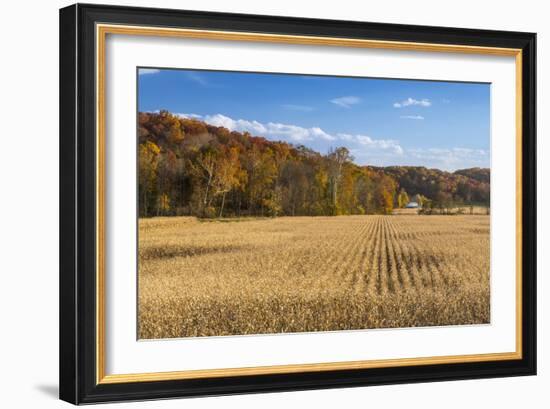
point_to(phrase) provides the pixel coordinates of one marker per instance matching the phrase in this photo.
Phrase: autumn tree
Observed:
(385, 193)
(190, 167)
(402, 199)
(295, 185)
(203, 166)
(336, 160)
(148, 159)
(226, 175)
(364, 191)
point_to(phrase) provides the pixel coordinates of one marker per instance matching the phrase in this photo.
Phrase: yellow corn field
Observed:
(301, 274)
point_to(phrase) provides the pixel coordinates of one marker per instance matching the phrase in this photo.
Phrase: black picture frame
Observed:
(78, 360)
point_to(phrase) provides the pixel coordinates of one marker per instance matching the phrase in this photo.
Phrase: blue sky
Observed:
(383, 122)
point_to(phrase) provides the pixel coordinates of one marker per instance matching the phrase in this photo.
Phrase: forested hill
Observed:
(463, 186)
(188, 167)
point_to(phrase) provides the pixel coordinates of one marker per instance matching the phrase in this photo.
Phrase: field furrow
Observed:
(294, 274)
(403, 264)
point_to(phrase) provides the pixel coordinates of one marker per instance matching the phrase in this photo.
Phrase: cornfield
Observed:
(302, 274)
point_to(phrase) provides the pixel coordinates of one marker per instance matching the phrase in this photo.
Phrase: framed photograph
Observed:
(257, 203)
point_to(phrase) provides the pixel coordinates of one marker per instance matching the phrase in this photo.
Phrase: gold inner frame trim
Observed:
(101, 33)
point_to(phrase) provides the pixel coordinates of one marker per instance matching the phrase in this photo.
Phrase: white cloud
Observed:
(366, 149)
(345, 137)
(411, 101)
(319, 133)
(346, 102)
(146, 71)
(189, 116)
(388, 146)
(299, 134)
(292, 133)
(302, 108)
(451, 158)
(195, 77)
(419, 117)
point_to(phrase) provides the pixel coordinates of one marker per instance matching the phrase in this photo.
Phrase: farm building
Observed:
(412, 205)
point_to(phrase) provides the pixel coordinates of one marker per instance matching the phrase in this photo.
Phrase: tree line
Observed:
(188, 167)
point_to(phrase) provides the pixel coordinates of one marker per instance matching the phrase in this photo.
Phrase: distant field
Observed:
(311, 274)
(460, 210)
(401, 212)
